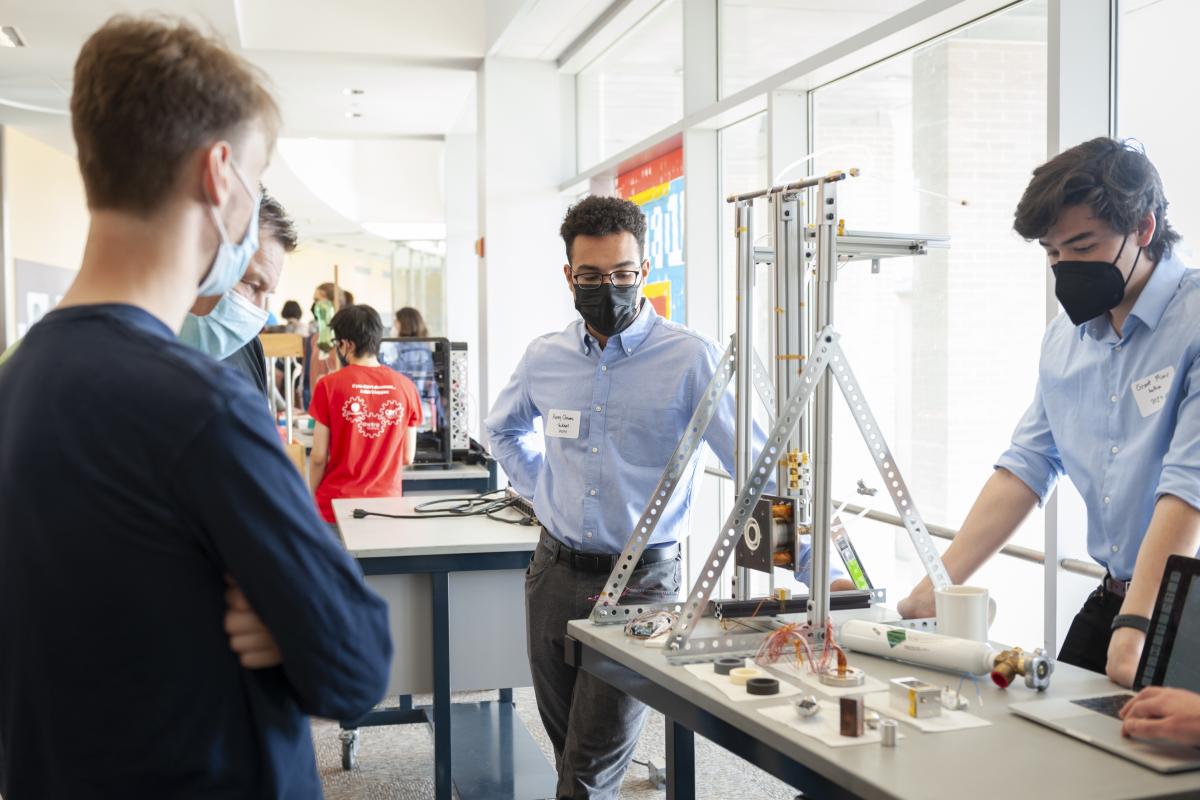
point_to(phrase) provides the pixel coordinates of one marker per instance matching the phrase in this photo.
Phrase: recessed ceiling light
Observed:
(354, 91)
(10, 37)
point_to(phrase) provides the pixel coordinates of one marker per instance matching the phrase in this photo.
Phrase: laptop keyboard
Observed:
(1109, 704)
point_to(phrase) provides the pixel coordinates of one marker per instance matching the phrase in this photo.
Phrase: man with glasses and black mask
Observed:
(1116, 405)
(615, 391)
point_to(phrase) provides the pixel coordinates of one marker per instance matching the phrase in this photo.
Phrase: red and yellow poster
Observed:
(657, 186)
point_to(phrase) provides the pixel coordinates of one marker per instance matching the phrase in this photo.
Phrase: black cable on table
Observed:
(486, 504)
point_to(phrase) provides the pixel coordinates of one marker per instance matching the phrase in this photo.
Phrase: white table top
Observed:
(1011, 758)
(379, 537)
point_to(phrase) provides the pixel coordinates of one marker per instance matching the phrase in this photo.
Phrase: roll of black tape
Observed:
(762, 686)
(723, 666)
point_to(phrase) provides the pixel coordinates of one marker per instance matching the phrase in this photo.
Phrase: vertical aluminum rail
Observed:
(822, 508)
(744, 359)
(791, 330)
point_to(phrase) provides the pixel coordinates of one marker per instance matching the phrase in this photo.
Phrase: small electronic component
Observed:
(851, 716)
(808, 706)
(887, 732)
(726, 664)
(916, 698)
(740, 675)
(762, 686)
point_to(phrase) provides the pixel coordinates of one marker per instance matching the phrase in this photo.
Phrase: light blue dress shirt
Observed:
(1120, 415)
(633, 400)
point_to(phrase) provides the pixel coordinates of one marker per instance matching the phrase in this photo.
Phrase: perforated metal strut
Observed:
(881, 454)
(785, 423)
(827, 355)
(608, 608)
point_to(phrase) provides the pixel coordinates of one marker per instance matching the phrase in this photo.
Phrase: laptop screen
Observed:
(1171, 656)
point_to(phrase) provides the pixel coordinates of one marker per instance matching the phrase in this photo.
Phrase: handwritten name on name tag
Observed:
(563, 424)
(1151, 391)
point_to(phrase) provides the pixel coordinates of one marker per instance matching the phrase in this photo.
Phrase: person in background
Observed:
(415, 359)
(1114, 407)
(157, 548)
(292, 315)
(227, 327)
(365, 417)
(615, 390)
(410, 323)
(320, 361)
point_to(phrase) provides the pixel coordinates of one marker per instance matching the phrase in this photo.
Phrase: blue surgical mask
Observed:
(226, 329)
(231, 260)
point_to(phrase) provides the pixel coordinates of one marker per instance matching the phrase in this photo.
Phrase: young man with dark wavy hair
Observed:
(1116, 407)
(615, 391)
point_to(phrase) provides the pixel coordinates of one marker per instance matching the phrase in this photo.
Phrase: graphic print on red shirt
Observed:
(368, 411)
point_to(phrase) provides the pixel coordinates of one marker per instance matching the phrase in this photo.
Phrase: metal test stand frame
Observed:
(807, 355)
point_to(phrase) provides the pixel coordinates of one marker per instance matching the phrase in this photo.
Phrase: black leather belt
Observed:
(1115, 587)
(603, 562)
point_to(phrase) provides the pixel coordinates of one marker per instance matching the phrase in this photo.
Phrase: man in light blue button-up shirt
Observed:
(1117, 406)
(614, 393)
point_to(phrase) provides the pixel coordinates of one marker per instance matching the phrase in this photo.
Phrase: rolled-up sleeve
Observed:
(511, 435)
(1033, 456)
(1181, 465)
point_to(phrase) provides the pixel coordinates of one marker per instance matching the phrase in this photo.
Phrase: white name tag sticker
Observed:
(1151, 391)
(563, 424)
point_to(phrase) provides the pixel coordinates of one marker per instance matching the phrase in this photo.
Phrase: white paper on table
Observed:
(825, 727)
(809, 679)
(734, 692)
(946, 721)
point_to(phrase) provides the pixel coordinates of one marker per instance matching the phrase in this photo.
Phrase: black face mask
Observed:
(607, 309)
(1087, 289)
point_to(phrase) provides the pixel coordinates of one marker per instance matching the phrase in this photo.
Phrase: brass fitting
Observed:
(1036, 668)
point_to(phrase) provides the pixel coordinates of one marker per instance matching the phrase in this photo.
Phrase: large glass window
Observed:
(634, 89)
(762, 37)
(1156, 41)
(945, 345)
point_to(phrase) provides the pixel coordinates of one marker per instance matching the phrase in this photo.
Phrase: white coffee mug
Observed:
(964, 611)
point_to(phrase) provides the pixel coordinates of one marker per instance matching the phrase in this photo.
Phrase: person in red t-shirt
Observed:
(365, 417)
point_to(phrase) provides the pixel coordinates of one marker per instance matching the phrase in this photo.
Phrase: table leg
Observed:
(681, 762)
(405, 702)
(441, 686)
(506, 696)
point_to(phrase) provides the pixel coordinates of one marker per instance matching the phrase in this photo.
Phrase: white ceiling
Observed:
(415, 62)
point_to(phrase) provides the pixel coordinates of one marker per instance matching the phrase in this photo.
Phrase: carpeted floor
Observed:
(396, 762)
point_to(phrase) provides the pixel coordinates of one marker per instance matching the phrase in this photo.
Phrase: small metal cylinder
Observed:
(887, 732)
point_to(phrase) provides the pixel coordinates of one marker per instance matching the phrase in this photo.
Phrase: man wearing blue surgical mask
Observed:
(227, 327)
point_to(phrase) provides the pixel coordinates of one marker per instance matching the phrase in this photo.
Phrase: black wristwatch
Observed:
(1131, 621)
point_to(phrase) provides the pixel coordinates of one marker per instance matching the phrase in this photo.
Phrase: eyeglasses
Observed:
(622, 279)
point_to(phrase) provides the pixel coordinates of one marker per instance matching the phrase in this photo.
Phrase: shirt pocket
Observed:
(649, 436)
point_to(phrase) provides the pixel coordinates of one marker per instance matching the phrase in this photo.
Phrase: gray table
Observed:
(1011, 758)
(455, 595)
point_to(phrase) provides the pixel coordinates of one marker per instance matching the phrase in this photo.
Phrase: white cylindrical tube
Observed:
(917, 647)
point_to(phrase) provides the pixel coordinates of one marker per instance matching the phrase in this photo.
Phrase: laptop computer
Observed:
(1171, 657)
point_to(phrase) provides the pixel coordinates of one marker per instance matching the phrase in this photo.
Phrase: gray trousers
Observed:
(594, 728)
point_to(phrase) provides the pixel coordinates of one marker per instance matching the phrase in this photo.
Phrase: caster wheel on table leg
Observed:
(349, 748)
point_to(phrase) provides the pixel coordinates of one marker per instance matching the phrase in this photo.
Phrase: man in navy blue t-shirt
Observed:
(171, 605)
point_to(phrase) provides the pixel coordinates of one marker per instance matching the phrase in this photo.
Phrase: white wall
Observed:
(370, 279)
(526, 148)
(462, 264)
(48, 219)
